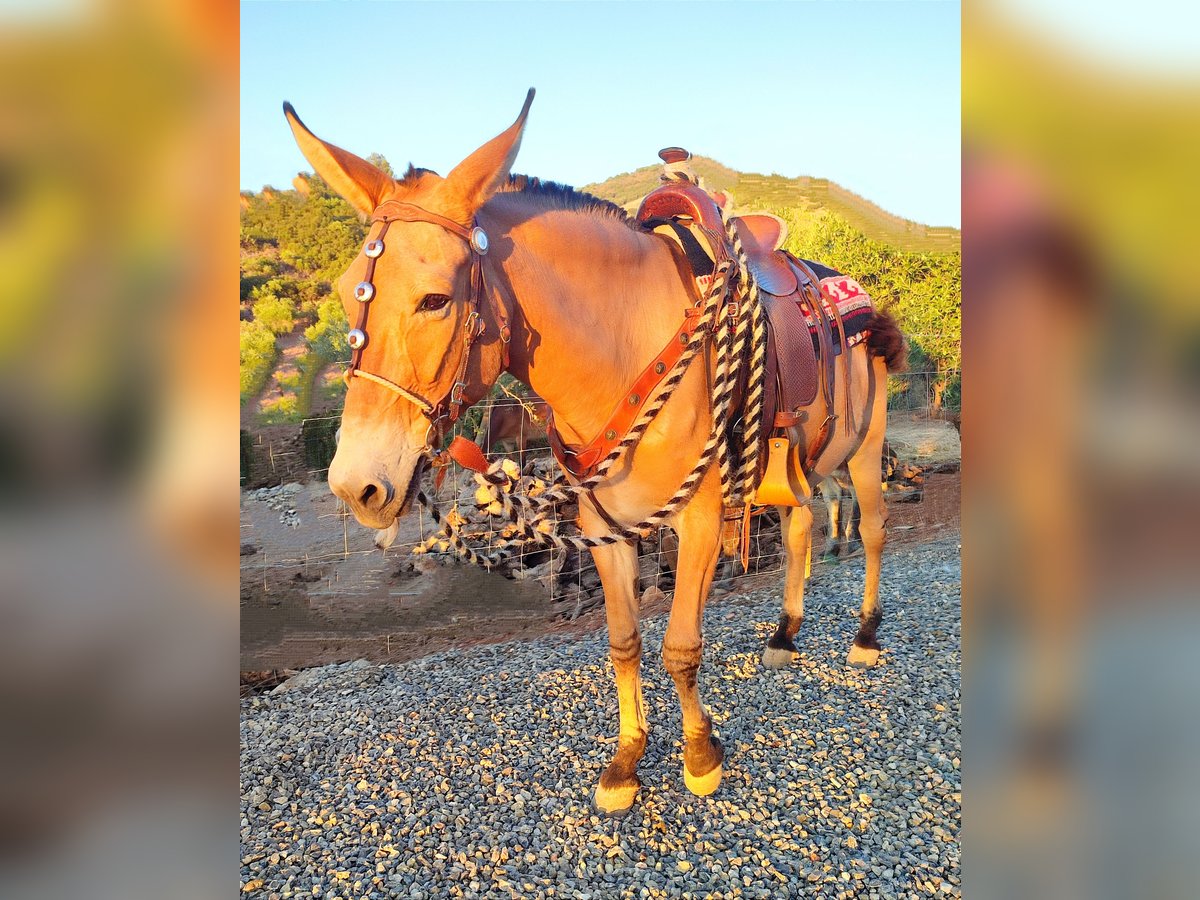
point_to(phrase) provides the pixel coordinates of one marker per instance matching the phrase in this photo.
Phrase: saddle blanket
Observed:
(852, 302)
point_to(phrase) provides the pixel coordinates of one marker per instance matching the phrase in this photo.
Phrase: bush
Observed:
(291, 380)
(275, 313)
(281, 411)
(256, 357)
(327, 337)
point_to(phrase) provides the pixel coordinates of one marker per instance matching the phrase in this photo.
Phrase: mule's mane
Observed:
(548, 194)
(552, 195)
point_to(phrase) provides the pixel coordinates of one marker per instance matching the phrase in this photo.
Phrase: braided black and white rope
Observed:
(738, 340)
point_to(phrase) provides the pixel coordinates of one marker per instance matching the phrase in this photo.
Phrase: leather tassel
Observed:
(746, 539)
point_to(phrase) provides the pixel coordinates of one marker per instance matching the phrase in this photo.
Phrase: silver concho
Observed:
(356, 339)
(364, 292)
(374, 249)
(479, 240)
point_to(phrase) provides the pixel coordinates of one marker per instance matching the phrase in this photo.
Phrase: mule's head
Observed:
(416, 318)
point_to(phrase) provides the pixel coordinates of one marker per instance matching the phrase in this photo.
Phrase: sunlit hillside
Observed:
(751, 190)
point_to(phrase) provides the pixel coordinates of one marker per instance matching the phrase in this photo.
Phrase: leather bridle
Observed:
(446, 411)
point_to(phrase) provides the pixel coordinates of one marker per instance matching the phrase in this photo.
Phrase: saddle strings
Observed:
(740, 345)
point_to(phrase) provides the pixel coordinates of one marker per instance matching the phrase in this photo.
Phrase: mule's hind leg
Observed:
(797, 535)
(617, 565)
(831, 491)
(866, 473)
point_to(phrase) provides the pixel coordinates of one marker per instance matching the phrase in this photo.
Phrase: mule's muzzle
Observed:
(372, 496)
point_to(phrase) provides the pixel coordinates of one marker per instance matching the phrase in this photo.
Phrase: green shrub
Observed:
(327, 337)
(282, 410)
(291, 380)
(256, 357)
(275, 313)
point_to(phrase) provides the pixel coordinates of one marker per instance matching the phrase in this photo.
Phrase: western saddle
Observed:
(789, 290)
(799, 361)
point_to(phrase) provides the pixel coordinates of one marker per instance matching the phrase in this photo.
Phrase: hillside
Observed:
(296, 242)
(751, 190)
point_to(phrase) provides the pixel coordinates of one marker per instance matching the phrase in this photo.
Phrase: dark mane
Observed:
(551, 195)
(413, 174)
(561, 196)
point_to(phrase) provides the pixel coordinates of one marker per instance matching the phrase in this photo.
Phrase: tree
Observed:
(379, 162)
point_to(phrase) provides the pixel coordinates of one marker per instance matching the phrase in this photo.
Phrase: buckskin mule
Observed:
(480, 272)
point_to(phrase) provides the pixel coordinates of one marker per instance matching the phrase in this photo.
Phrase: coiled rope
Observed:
(740, 345)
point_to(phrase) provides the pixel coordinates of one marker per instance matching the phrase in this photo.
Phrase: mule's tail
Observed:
(887, 340)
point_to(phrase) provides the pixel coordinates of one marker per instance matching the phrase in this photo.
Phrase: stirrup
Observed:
(783, 483)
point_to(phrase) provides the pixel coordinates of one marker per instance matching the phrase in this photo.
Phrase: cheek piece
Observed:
(444, 412)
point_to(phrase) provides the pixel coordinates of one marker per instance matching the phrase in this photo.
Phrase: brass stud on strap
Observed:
(479, 240)
(364, 292)
(610, 435)
(374, 249)
(660, 367)
(357, 339)
(683, 339)
(634, 399)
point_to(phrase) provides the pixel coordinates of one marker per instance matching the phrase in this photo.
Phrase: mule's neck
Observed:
(593, 302)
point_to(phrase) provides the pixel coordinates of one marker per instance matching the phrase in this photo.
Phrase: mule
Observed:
(576, 298)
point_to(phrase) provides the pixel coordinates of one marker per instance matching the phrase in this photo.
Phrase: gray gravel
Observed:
(470, 774)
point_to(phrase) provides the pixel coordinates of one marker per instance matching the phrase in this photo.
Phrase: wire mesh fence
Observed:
(297, 536)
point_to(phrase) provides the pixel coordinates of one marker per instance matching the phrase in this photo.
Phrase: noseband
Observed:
(446, 411)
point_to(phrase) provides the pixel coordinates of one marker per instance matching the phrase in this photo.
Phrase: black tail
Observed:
(887, 340)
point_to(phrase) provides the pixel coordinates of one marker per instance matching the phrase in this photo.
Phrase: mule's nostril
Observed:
(368, 492)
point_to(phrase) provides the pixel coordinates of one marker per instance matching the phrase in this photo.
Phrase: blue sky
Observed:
(864, 93)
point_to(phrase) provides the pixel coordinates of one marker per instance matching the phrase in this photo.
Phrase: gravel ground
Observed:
(470, 773)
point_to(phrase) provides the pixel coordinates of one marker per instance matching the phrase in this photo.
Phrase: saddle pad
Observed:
(853, 304)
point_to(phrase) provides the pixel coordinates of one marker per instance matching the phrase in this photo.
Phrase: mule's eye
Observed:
(432, 302)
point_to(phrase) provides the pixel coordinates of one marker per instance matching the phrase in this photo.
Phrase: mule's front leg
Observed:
(617, 565)
(699, 528)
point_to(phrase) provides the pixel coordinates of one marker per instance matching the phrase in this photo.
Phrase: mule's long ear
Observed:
(478, 176)
(362, 184)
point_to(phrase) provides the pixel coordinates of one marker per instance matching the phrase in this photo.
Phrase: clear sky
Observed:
(864, 93)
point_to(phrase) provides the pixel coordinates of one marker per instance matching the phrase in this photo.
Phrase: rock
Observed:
(652, 594)
(482, 762)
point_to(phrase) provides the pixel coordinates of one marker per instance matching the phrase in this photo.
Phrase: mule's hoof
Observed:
(616, 800)
(862, 657)
(702, 785)
(778, 657)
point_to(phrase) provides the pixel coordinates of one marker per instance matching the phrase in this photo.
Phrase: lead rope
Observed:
(740, 340)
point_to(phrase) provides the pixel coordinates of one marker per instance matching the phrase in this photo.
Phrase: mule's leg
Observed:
(796, 523)
(699, 530)
(617, 565)
(832, 492)
(851, 530)
(865, 471)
